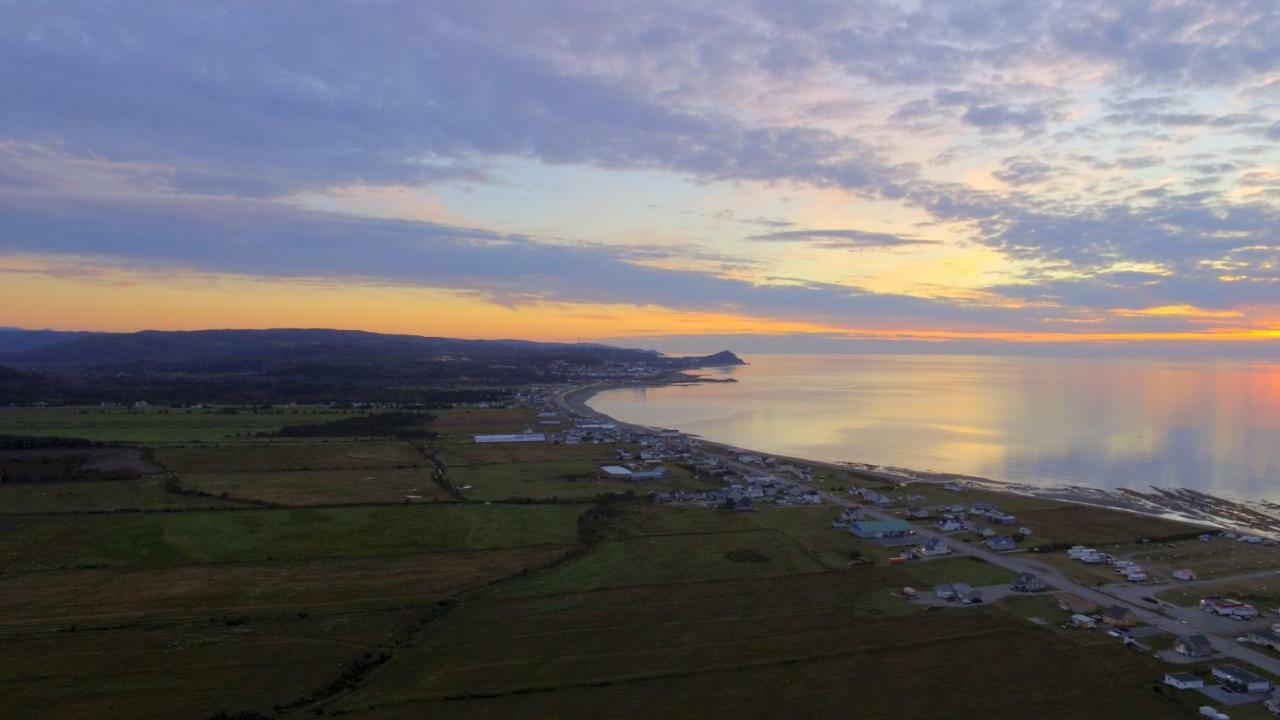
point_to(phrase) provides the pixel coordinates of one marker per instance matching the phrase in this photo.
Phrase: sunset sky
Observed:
(804, 174)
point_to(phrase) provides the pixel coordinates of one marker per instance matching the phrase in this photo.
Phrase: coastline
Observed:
(1192, 506)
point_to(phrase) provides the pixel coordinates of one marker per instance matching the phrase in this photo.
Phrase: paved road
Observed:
(1184, 623)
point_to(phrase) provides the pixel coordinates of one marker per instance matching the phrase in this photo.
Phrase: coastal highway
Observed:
(1185, 622)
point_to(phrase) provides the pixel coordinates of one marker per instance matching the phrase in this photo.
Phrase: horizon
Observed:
(1026, 178)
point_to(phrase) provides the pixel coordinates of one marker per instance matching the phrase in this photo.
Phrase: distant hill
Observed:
(205, 348)
(19, 340)
(307, 365)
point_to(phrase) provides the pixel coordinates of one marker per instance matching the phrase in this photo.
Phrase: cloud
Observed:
(841, 239)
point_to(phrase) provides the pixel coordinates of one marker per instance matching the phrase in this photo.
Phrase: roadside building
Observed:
(1026, 582)
(511, 438)
(873, 529)
(1001, 543)
(1241, 680)
(1265, 638)
(1183, 680)
(656, 473)
(1083, 621)
(1196, 646)
(949, 523)
(1119, 616)
(958, 592)
(934, 547)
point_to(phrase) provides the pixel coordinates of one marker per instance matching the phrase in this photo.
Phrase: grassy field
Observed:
(192, 593)
(663, 559)
(565, 479)
(169, 539)
(97, 496)
(1263, 592)
(794, 646)
(321, 487)
(1080, 524)
(194, 605)
(1207, 559)
(260, 456)
(928, 573)
(181, 671)
(154, 425)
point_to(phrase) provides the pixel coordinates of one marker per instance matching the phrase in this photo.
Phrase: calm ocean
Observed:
(1208, 425)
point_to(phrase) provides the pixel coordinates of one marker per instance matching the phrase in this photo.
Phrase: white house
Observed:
(1183, 680)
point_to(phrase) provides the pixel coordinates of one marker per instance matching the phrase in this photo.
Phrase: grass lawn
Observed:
(169, 539)
(971, 570)
(321, 454)
(97, 496)
(1038, 605)
(321, 487)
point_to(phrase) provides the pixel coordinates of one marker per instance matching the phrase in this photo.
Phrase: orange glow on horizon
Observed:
(119, 300)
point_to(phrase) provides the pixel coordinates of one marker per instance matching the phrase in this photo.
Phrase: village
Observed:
(1207, 644)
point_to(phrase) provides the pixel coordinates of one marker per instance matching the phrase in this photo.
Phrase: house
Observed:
(982, 507)
(1196, 646)
(511, 438)
(1240, 680)
(656, 473)
(1265, 638)
(880, 528)
(935, 546)
(953, 486)
(1026, 582)
(1184, 574)
(958, 592)
(1076, 604)
(1001, 543)
(1183, 680)
(949, 524)
(1119, 616)
(1233, 609)
(1083, 621)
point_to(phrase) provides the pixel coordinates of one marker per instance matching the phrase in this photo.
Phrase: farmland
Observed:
(303, 574)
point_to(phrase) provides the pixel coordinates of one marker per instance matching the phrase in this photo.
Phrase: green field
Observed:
(100, 496)
(1081, 524)
(665, 559)
(793, 646)
(321, 487)
(170, 539)
(928, 573)
(1263, 592)
(155, 425)
(290, 578)
(291, 455)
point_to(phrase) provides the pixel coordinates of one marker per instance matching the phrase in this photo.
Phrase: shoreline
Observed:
(1186, 505)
